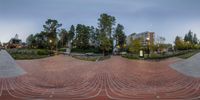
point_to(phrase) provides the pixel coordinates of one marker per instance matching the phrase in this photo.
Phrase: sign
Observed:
(141, 53)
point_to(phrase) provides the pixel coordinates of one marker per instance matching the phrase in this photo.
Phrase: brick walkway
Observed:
(66, 78)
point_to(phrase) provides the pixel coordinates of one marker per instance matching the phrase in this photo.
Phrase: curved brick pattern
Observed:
(66, 78)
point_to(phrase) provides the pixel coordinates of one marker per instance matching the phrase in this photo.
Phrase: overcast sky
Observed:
(166, 18)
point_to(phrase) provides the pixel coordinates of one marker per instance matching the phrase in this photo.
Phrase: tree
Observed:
(135, 46)
(82, 37)
(94, 33)
(63, 37)
(191, 40)
(105, 27)
(106, 23)
(0, 44)
(180, 44)
(50, 28)
(160, 40)
(105, 43)
(120, 36)
(71, 33)
(160, 43)
(186, 37)
(195, 39)
(70, 37)
(43, 39)
(67, 36)
(189, 37)
(31, 41)
(40, 40)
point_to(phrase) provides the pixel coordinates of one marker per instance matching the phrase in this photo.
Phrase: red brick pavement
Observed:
(66, 78)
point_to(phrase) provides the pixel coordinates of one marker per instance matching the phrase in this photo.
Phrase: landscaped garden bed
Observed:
(90, 57)
(189, 54)
(25, 54)
(180, 54)
(131, 56)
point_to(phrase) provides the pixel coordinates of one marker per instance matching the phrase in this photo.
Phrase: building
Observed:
(14, 43)
(1, 46)
(145, 37)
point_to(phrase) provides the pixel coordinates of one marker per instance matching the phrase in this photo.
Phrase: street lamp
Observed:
(148, 49)
(50, 41)
(188, 43)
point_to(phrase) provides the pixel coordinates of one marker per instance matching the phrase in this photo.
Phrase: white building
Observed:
(144, 36)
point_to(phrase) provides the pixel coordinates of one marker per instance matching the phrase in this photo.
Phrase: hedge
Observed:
(162, 56)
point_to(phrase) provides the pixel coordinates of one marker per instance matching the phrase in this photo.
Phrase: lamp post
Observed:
(50, 41)
(188, 42)
(148, 49)
(56, 45)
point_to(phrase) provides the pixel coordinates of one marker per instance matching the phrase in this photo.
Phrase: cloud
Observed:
(167, 17)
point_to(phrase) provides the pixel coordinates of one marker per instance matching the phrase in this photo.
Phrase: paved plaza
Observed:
(65, 78)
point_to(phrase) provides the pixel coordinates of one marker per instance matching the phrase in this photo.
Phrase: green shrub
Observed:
(188, 55)
(91, 58)
(27, 57)
(62, 49)
(42, 52)
(104, 58)
(29, 53)
(182, 54)
(90, 49)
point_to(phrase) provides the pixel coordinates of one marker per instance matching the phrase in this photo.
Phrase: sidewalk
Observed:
(8, 66)
(190, 67)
